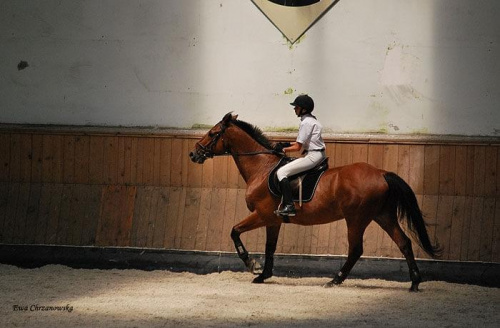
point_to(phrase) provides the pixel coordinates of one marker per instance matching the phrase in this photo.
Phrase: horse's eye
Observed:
(211, 134)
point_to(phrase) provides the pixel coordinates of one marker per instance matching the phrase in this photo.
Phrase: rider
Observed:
(310, 141)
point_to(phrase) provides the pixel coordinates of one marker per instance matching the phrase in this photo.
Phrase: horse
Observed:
(358, 193)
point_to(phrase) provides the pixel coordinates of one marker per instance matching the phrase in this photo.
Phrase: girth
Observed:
(308, 179)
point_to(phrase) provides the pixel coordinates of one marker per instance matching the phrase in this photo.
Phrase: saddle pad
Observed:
(310, 180)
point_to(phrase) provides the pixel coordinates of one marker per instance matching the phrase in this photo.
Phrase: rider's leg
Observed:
(299, 165)
(286, 190)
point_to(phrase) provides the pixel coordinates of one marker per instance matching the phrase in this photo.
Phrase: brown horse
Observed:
(358, 192)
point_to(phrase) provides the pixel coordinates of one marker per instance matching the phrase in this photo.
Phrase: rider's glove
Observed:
(280, 145)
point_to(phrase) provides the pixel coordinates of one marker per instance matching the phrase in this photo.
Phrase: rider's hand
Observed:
(280, 145)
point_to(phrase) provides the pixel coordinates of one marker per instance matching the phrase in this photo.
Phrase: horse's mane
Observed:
(255, 133)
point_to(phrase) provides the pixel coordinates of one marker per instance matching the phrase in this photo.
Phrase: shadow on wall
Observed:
(466, 70)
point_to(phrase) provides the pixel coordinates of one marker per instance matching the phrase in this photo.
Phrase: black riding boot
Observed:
(288, 207)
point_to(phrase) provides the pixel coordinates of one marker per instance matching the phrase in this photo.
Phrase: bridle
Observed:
(208, 150)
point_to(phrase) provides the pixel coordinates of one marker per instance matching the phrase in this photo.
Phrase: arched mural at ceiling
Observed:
(294, 17)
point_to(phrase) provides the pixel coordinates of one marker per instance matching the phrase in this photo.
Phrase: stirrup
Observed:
(288, 210)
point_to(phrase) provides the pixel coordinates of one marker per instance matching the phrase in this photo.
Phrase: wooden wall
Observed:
(121, 188)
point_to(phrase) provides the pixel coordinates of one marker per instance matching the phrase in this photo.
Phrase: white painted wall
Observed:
(413, 66)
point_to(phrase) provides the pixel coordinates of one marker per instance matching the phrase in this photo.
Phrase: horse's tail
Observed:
(403, 198)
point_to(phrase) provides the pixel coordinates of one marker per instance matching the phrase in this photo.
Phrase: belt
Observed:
(306, 151)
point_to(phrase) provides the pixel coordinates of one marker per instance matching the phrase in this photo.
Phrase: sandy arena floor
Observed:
(58, 296)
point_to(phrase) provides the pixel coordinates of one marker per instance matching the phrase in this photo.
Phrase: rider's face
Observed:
(298, 110)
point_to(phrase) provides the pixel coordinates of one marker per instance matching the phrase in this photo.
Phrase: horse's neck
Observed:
(251, 166)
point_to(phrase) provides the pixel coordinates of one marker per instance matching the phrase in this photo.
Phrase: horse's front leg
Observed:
(272, 233)
(251, 222)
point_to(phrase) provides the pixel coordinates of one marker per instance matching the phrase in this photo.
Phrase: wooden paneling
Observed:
(143, 191)
(5, 157)
(495, 246)
(114, 224)
(431, 170)
(82, 159)
(32, 214)
(69, 159)
(52, 212)
(15, 157)
(216, 220)
(90, 203)
(12, 200)
(96, 160)
(175, 197)
(460, 176)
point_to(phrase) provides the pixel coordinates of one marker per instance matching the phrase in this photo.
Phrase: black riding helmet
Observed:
(305, 102)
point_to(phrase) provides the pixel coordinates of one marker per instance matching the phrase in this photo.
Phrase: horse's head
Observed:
(212, 143)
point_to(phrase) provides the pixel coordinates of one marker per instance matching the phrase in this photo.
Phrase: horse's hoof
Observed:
(255, 267)
(329, 284)
(261, 278)
(414, 288)
(258, 280)
(332, 283)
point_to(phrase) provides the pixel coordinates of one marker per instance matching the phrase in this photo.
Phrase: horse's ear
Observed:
(228, 117)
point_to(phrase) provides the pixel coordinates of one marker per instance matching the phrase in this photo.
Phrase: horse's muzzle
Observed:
(197, 157)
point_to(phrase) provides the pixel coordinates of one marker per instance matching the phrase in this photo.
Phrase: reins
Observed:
(273, 152)
(252, 153)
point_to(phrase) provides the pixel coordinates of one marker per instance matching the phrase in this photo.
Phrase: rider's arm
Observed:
(296, 146)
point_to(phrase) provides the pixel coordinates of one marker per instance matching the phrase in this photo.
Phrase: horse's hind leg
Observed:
(391, 226)
(251, 222)
(355, 230)
(271, 242)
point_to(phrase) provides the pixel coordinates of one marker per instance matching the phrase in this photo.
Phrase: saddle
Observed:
(307, 180)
